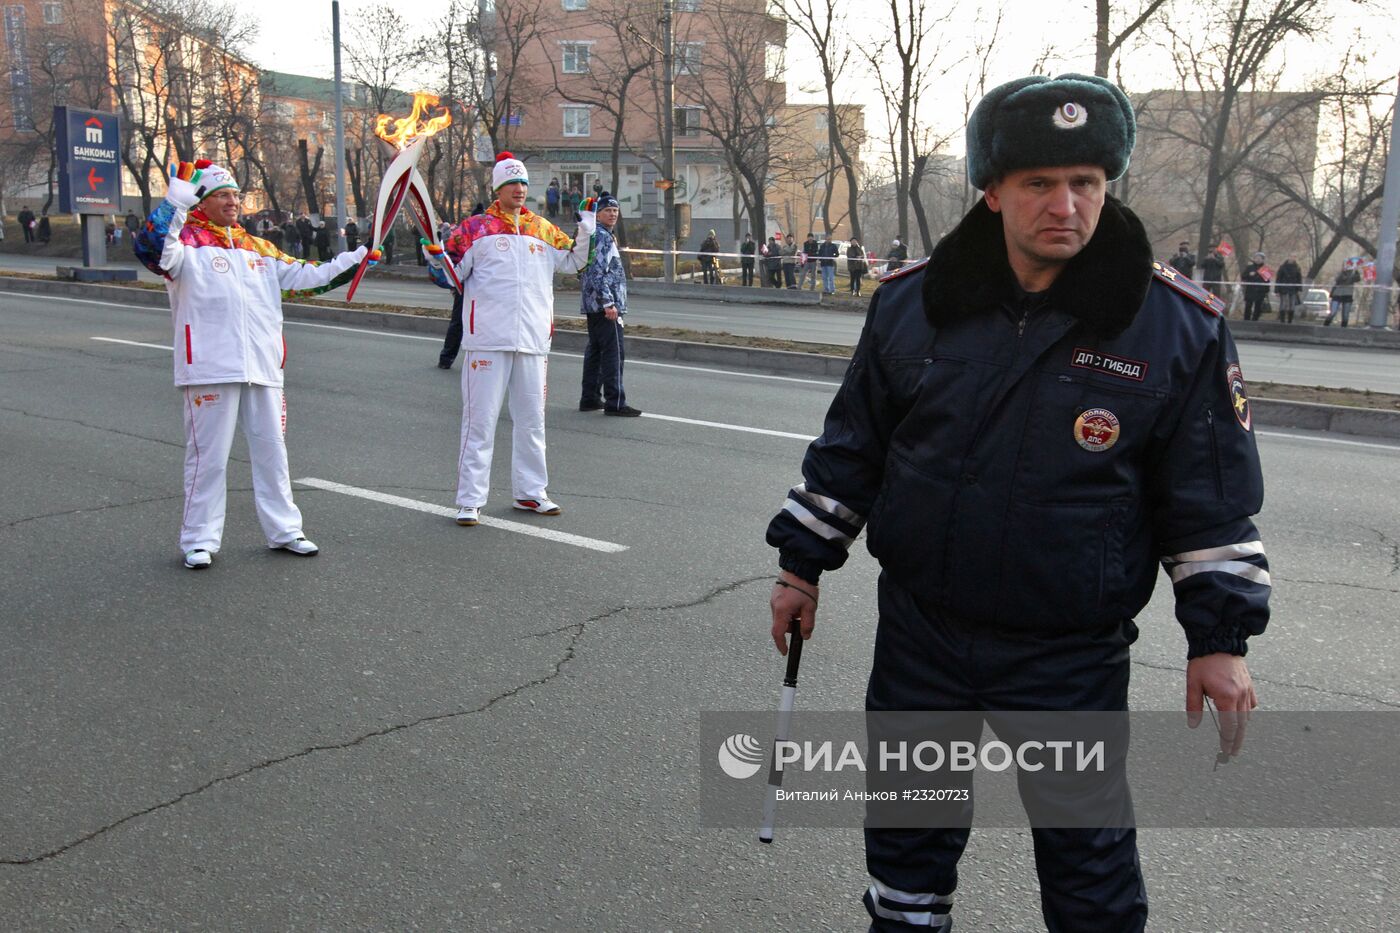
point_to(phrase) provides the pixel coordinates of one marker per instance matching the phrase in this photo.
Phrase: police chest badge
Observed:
(1096, 429)
(1239, 396)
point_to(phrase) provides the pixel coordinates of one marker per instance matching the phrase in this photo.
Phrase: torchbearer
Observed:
(226, 289)
(505, 260)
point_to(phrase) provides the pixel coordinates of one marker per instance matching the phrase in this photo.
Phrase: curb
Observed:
(1276, 413)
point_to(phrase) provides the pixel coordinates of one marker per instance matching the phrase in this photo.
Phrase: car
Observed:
(1316, 304)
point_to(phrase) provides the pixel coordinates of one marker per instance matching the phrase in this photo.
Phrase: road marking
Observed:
(132, 343)
(721, 372)
(82, 301)
(579, 356)
(729, 427)
(559, 537)
(362, 330)
(1328, 440)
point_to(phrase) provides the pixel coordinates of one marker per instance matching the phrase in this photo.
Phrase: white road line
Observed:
(729, 427)
(559, 537)
(720, 372)
(362, 330)
(1328, 440)
(81, 301)
(132, 343)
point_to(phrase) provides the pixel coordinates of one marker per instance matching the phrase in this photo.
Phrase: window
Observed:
(819, 212)
(687, 121)
(821, 120)
(575, 4)
(687, 6)
(57, 53)
(53, 13)
(577, 121)
(687, 58)
(576, 57)
(773, 61)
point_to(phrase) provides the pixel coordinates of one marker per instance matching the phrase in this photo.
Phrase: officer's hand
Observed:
(610, 313)
(797, 600)
(1224, 678)
(185, 189)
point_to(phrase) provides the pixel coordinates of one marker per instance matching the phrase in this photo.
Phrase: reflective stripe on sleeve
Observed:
(1223, 559)
(816, 525)
(828, 504)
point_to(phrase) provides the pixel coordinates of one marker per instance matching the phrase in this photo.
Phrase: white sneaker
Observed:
(542, 506)
(468, 515)
(301, 547)
(198, 559)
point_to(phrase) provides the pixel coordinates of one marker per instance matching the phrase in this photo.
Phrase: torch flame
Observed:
(413, 126)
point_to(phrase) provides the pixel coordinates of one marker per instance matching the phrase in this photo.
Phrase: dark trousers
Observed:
(746, 272)
(790, 274)
(452, 344)
(602, 362)
(1254, 305)
(775, 276)
(855, 282)
(1089, 878)
(28, 233)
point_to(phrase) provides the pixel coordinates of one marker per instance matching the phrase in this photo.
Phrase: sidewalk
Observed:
(1336, 419)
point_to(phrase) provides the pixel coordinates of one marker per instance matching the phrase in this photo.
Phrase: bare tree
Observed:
(742, 103)
(56, 66)
(614, 76)
(1217, 68)
(1341, 194)
(500, 88)
(826, 30)
(1107, 45)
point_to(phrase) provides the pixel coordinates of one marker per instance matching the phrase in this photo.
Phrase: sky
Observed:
(296, 37)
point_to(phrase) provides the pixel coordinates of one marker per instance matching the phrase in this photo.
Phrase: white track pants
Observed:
(211, 413)
(487, 377)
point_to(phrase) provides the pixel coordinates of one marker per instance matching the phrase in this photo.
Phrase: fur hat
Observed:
(1039, 122)
(508, 169)
(214, 177)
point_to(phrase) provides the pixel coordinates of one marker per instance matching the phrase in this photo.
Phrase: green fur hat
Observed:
(1038, 122)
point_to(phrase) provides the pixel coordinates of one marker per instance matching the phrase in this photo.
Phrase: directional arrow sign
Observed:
(94, 179)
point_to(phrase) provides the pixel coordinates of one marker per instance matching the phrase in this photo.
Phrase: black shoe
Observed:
(590, 406)
(626, 411)
(442, 365)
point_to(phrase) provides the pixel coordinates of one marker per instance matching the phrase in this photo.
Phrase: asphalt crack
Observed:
(89, 509)
(95, 427)
(1390, 546)
(575, 632)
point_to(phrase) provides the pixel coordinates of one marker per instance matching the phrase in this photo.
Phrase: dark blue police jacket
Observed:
(1024, 463)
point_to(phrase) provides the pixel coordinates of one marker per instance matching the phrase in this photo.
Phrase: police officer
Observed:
(1033, 419)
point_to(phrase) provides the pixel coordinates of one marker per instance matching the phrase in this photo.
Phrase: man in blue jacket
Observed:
(604, 305)
(1033, 419)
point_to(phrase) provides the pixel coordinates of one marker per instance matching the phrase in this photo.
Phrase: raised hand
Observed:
(185, 189)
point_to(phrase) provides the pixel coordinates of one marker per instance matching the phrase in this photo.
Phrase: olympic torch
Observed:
(401, 182)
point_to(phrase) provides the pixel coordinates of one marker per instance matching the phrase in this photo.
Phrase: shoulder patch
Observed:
(1188, 287)
(906, 269)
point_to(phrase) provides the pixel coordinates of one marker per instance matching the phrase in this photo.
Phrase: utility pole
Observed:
(1390, 218)
(339, 135)
(668, 142)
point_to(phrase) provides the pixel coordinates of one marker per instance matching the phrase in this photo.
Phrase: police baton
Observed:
(789, 694)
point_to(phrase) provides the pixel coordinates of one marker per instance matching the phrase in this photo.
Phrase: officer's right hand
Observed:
(185, 189)
(795, 600)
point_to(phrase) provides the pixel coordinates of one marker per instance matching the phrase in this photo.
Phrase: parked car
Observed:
(1316, 304)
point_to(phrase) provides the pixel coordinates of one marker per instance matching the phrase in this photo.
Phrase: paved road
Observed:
(1377, 370)
(445, 728)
